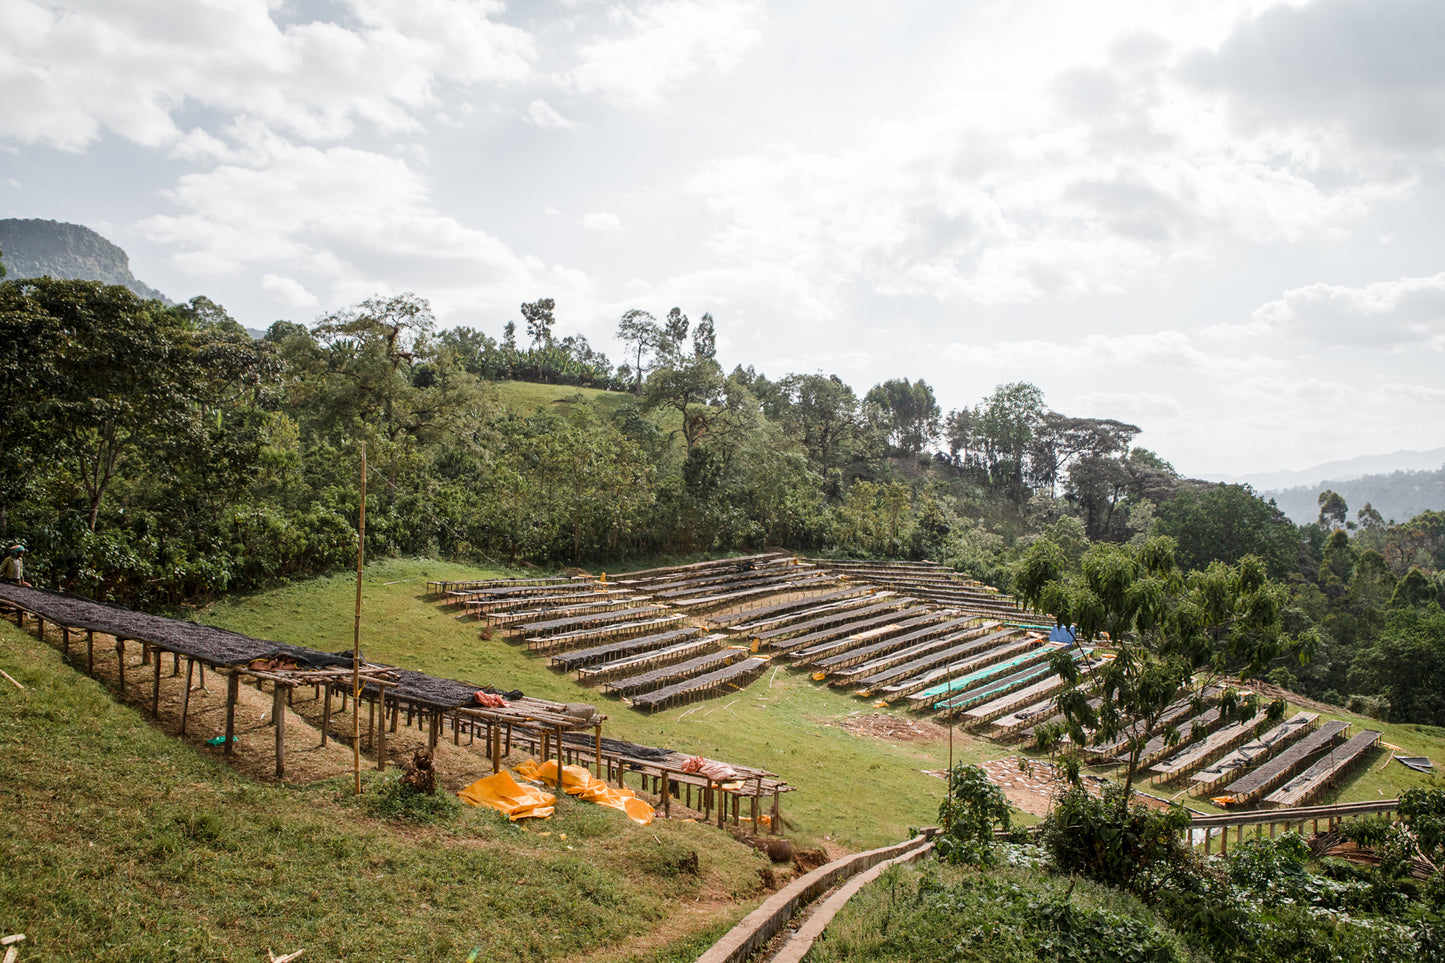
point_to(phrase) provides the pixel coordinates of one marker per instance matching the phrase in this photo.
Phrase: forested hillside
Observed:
(1398, 496)
(158, 455)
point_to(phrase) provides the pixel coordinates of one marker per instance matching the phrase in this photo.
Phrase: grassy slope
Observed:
(858, 791)
(525, 395)
(121, 843)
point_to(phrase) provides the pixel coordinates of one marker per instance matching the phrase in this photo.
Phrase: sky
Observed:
(1221, 221)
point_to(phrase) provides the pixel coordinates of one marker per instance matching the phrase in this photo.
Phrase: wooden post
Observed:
(433, 723)
(597, 751)
(370, 723)
(89, 652)
(494, 736)
(156, 692)
(326, 717)
(278, 719)
(666, 794)
(65, 639)
(233, 687)
(120, 660)
(381, 729)
(186, 696)
(559, 757)
(777, 814)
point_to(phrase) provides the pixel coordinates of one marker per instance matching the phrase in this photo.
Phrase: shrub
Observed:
(1110, 841)
(968, 815)
(390, 798)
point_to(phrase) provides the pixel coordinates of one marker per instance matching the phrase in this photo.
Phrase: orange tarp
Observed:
(577, 781)
(502, 792)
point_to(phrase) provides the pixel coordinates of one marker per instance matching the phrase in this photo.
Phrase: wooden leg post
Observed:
(381, 729)
(186, 696)
(156, 692)
(233, 688)
(278, 719)
(326, 717)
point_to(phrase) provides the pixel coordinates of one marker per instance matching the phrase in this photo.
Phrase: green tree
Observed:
(103, 374)
(1406, 663)
(640, 331)
(822, 414)
(688, 387)
(540, 320)
(1004, 425)
(1332, 509)
(1226, 523)
(1174, 636)
(909, 412)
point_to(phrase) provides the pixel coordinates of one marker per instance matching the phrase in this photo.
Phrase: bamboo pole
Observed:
(356, 635)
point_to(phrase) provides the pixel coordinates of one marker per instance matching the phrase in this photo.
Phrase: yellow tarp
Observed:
(577, 781)
(502, 792)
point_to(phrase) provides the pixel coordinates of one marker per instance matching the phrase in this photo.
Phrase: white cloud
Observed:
(601, 221)
(1395, 315)
(1369, 70)
(542, 114)
(341, 220)
(1139, 406)
(288, 291)
(74, 69)
(658, 44)
(1162, 350)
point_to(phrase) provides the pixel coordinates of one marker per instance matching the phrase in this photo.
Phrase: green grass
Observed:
(960, 914)
(527, 395)
(859, 791)
(121, 843)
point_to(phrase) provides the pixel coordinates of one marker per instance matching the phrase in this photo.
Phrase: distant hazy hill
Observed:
(1399, 486)
(32, 248)
(1336, 471)
(1399, 496)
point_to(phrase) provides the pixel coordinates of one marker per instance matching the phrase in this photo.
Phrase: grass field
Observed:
(120, 842)
(857, 791)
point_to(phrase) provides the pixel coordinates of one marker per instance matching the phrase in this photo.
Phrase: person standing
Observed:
(12, 570)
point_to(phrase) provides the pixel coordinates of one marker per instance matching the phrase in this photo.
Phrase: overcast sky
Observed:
(1223, 221)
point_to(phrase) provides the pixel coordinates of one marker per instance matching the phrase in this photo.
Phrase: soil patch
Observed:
(893, 728)
(1031, 785)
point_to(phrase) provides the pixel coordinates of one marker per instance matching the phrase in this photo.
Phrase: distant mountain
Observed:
(32, 248)
(1338, 471)
(1398, 496)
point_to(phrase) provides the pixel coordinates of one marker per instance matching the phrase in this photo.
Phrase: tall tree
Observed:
(1005, 424)
(639, 331)
(540, 321)
(1174, 636)
(1332, 509)
(106, 373)
(908, 410)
